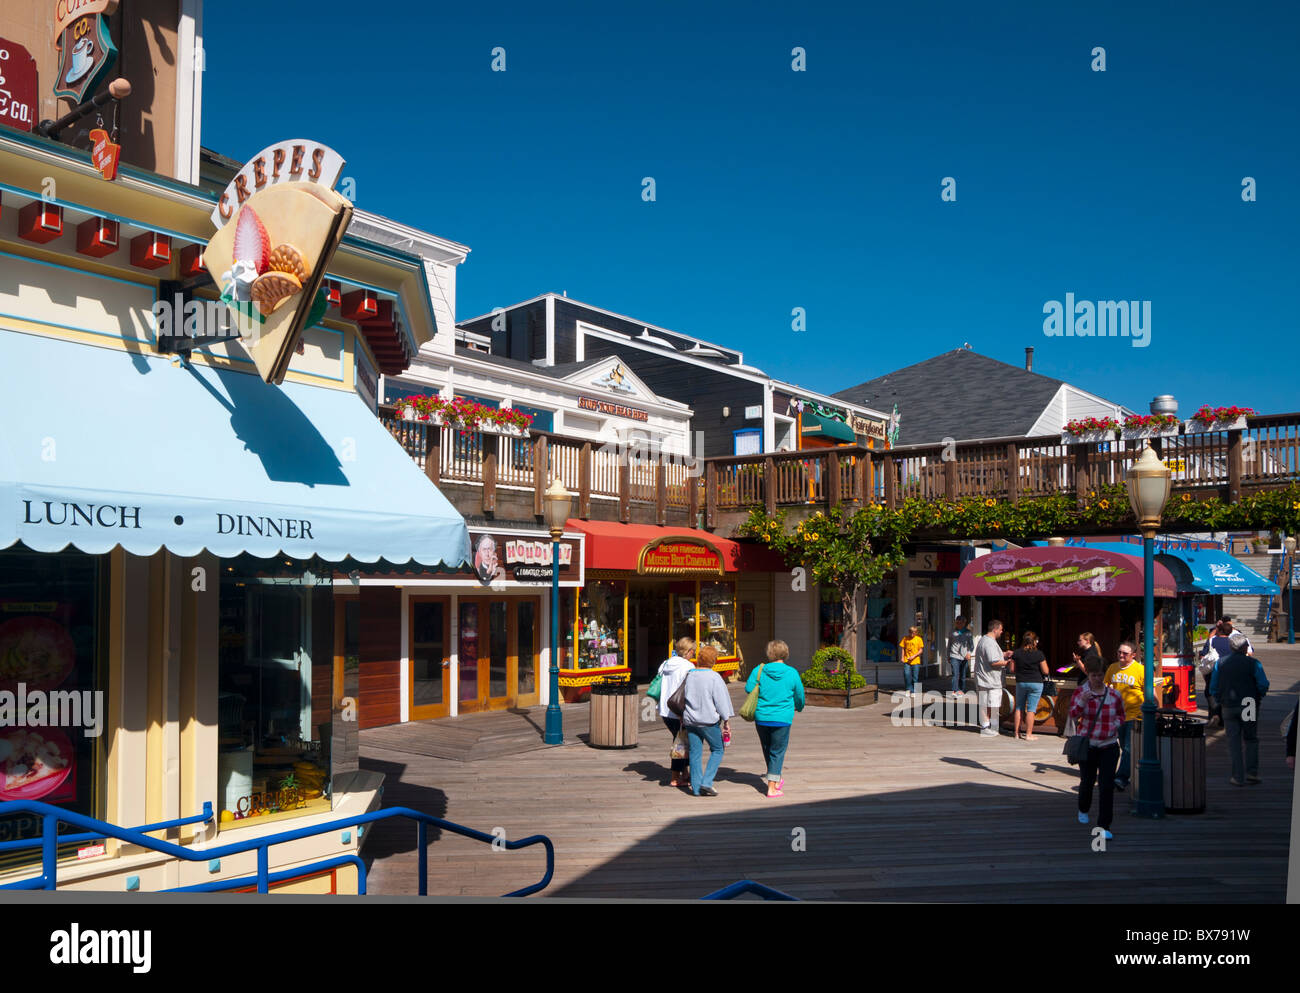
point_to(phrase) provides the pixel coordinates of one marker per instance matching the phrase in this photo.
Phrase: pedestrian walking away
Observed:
(1126, 678)
(780, 694)
(961, 652)
(990, 660)
(910, 649)
(1098, 712)
(706, 714)
(671, 673)
(1239, 686)
(1030, 666)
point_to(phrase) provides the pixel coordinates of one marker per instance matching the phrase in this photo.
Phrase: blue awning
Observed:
(1197, 570)
(102, 447)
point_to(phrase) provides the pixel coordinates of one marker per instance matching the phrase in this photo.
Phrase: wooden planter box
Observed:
(1146, 434)
(1196, 427)
(1087, 438)
(835, 698)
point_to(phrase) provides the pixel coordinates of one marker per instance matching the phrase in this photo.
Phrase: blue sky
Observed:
(820, 189)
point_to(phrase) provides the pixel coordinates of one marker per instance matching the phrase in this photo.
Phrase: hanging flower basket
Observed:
(467, 415)
(1209, 419)
(1087, 437)
(1140, 427)
(1089, 430)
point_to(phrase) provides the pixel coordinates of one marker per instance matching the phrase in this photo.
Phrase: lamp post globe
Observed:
(557, 502)
(1148, 490)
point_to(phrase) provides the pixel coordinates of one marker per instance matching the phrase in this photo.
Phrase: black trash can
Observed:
(1180, 746)
(614, 720)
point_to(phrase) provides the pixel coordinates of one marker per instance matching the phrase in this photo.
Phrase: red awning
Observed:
(611, 545)
(1046, 571)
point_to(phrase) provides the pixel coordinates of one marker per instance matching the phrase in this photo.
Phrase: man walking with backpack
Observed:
(1239, 684)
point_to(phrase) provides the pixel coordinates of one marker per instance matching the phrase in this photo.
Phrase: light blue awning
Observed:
(1197, 570)
(101, 447)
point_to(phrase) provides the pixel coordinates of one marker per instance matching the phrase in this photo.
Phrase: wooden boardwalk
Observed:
(884, 813)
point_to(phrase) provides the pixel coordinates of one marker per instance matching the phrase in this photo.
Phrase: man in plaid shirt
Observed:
(1098, 712)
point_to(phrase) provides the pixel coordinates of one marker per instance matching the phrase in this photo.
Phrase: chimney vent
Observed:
(1164, 404)
(1029, 358)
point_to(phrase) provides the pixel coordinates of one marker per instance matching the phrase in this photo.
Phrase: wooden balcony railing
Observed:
(1266, 454)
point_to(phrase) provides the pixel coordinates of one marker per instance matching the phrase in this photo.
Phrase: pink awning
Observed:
(1045, 571)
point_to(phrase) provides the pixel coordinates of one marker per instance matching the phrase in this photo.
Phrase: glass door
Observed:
(429, 662)
(497, 652)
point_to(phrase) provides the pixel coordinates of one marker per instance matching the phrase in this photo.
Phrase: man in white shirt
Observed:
(990, 660)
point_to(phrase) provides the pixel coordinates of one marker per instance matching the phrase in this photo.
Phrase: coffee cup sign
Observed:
(278, 222)
(86, 49)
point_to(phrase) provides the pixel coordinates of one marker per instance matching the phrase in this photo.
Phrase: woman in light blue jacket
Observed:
(780, 694)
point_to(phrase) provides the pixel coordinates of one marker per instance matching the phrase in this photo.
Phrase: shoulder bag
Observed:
(654, 689)
(1077, 745)
(677, 702)
(749, 708)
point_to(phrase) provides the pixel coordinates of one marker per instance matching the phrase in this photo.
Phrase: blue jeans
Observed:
(1124, 772)
(696, 736)
(1027, 697)
(774, 740)
(958, 675)
(911, 676)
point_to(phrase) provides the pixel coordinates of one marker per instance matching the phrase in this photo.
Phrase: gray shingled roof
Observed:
(960, 395)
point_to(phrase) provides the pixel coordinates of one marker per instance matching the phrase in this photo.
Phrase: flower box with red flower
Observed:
(1138, 427)
(1209, 418)
(1089, 430)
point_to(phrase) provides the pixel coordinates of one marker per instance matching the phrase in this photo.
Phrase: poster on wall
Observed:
(17, 86)
(37, 657)
(86, 50)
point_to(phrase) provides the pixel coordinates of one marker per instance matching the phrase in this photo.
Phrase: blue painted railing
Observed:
(749, 886)
(53, 816)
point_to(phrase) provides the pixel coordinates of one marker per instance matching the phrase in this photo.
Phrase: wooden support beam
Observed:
(769, 485)
(710, 494)
(1013, 472)
(833, 478)
(625, 489)
(661, 493)
(489, 472)
(584, 481)
(950, 479)
(693, 498)
(1082, 472)
(433, 452)
(861, 464)
(890, 468)
(541, 469)
(1234, 466)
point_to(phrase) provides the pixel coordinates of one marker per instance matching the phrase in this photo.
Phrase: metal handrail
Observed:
(68, 839)
(749, 886)
(53, 816)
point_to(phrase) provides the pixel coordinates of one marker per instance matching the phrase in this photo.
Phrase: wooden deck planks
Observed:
(889, 813)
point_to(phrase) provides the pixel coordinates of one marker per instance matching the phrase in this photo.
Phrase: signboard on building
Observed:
(367, 380)
(935, 562)
(867, 426)
(86, 51)
(679, 557)
(17, 86)
(608, 407)
(278, 223)
(502, 557)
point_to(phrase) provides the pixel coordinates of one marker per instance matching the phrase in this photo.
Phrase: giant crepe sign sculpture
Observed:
(278, 222)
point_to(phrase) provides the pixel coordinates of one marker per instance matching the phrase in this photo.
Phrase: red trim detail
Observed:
(611, 545)
(191, 261)
(151, 250)
(40, 222)
(97, 237)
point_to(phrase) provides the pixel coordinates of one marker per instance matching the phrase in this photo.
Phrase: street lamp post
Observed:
(1289, 545)
(1148, 489)
(558, 501)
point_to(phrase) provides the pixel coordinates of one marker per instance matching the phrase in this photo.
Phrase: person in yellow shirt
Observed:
(1127, 677)
(910, 649)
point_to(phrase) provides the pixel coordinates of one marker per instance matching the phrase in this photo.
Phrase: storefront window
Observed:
(564, 641)
(1176, 638)
(718, 617)
(53, 675)
(882, 624)
(831, 617)
(275, 701)
(600, 624)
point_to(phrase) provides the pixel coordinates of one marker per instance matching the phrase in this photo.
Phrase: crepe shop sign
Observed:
(292, 161)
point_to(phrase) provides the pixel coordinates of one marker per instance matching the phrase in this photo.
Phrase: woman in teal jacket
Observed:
(780, 694)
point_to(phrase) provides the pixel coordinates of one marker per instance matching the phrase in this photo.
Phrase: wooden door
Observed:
(429, 657)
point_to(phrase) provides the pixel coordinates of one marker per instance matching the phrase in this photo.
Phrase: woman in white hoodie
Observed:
(671, 673)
